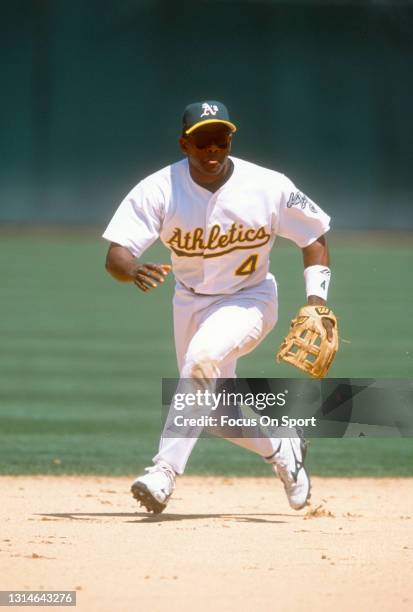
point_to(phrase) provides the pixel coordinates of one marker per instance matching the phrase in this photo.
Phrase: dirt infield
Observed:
(224, 543)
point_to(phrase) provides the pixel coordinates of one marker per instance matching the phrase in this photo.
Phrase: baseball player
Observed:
(219, 217)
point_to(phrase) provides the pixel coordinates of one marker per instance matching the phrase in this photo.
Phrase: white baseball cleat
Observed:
(153, 489)
(288, 464)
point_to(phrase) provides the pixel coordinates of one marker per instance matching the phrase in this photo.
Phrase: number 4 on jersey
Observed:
(248, 266)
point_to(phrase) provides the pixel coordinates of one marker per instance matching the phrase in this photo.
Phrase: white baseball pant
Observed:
(211, 333)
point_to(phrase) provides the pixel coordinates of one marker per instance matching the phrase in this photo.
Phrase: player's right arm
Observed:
(123, 266)
(133, 228)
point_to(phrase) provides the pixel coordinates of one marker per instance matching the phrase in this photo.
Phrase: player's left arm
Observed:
(317, 254)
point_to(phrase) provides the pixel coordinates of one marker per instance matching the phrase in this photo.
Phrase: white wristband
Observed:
(317, 280)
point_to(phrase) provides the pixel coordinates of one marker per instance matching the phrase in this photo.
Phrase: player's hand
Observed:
(147, 276)
(328, 326)
(315, 300)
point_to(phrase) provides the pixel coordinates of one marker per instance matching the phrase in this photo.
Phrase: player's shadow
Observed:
(145, 517)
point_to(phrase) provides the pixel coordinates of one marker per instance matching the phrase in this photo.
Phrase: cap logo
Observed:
(209, 110)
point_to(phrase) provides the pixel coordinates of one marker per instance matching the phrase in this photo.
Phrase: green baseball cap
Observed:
(203, 113)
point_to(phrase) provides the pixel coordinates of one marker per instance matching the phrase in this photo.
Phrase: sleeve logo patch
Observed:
(297, 198)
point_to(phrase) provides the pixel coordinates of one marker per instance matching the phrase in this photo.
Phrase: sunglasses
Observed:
(202, 140)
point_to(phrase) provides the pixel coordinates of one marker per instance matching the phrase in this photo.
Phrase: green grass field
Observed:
(82, 356)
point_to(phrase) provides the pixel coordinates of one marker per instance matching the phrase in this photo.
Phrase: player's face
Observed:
(207, 150)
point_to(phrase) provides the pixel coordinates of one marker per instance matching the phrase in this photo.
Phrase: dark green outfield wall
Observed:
(92, 93)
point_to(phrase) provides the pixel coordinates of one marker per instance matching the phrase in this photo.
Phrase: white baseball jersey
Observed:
(220, 242)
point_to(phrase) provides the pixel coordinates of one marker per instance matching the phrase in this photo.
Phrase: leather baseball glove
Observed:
(306, 346)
